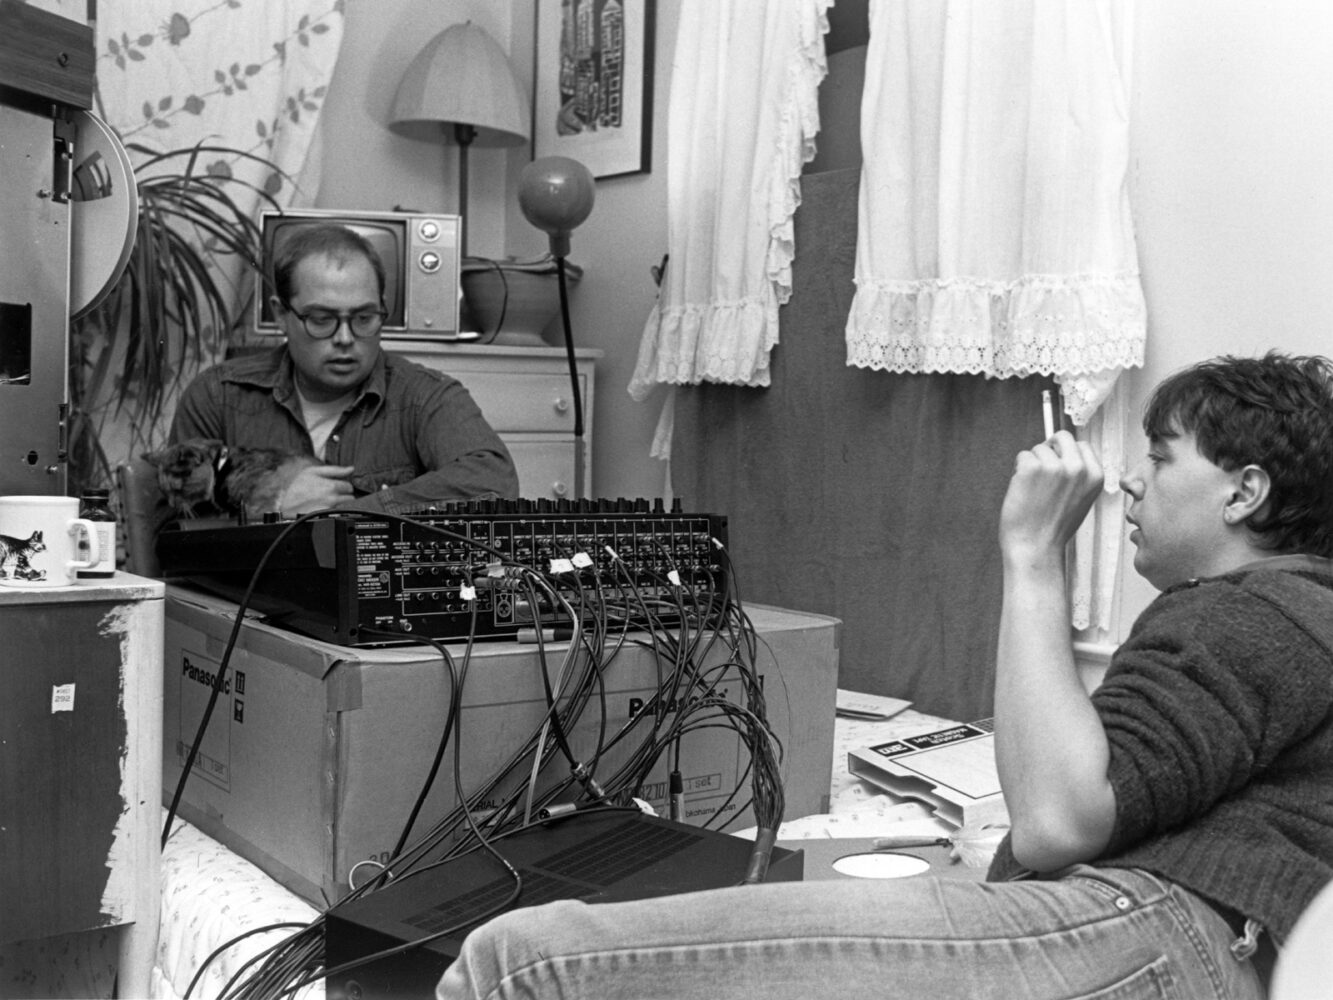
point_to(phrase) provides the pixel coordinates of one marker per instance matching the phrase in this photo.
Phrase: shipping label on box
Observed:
(315, 754)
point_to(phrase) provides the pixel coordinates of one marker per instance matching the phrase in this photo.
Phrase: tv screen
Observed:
(419, 254)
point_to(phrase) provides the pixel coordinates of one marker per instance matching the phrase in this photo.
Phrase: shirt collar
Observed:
(1291, 561)
(279, 376)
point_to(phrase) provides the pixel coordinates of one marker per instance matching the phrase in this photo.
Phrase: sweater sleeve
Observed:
(1214, 682)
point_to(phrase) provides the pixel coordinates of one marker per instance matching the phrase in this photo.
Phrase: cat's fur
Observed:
(19, 550)
(203, 477)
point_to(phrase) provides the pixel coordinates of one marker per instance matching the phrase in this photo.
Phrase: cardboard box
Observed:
(315, 753)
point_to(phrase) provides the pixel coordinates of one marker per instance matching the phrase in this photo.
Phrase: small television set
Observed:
(420, 253)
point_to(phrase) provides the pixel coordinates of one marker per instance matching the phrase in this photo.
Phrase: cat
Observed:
(20, 550)
(203, 477)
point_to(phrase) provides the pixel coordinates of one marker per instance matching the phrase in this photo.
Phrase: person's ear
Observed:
(279, 311)
(1252, 487)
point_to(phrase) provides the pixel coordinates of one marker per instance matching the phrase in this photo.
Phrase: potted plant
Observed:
(172, 311)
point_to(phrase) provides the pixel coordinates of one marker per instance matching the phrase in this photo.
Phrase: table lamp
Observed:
(556, 194)
(461, 87)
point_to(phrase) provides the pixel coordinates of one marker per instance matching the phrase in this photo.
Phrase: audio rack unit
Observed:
(347, 577)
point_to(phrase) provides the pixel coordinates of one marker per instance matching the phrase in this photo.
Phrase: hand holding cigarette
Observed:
(1052, 489)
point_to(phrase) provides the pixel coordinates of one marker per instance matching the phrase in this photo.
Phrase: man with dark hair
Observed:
(1166, 829)
(394, 435)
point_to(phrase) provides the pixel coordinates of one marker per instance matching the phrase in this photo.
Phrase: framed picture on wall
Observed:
(593, 97)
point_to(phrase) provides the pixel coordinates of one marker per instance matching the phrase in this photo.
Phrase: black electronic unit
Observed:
(596, 856)
(349, 577)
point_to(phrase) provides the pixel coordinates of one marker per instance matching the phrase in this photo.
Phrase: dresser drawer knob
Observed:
(560, 489)
(561, 404)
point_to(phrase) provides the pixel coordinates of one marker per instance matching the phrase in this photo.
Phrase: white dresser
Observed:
(527, 396)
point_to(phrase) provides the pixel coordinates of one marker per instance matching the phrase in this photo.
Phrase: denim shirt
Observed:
(413, 435)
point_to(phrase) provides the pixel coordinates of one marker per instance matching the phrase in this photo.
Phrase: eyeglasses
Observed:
(322, 324)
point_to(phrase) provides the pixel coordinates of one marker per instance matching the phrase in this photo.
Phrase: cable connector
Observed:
(556, 811)
(760, 855)
(676, 790)
(584, 777)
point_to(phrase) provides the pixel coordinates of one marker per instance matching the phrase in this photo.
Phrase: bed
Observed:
(211, 897)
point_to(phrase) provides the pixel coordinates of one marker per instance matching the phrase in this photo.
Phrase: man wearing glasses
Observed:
(395, 436)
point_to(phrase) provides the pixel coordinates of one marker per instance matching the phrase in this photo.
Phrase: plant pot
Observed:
(513, 302)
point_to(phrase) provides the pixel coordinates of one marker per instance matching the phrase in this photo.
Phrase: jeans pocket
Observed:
(1152, 982)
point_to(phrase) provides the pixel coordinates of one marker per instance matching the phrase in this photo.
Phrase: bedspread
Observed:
(210, 896)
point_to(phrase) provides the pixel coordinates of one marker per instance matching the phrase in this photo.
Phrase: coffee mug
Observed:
(39, 541)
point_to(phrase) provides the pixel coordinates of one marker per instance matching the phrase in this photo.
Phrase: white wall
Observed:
(622, 239)
(1232, 179)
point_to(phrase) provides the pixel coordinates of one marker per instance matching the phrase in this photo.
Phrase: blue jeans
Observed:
(1092, 933)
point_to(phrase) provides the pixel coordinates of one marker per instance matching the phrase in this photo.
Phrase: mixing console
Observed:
(518, 565)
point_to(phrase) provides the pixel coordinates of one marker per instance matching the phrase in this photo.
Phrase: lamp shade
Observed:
(556, 195)
(462, 77)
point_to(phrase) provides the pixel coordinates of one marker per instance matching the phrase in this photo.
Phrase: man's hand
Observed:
(316, 488)
(1053, 487)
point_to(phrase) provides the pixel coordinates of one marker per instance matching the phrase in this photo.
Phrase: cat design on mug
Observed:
(18, 551)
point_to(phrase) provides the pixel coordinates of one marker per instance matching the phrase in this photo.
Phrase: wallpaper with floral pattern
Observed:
(250, 75)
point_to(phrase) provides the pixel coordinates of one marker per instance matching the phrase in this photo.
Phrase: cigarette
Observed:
(1048, 413)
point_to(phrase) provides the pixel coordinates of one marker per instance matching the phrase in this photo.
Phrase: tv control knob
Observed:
(429, 261)
(429, 230)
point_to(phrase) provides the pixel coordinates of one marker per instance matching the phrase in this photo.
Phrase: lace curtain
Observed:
(246, 74)
(742, 117)
(994, 218)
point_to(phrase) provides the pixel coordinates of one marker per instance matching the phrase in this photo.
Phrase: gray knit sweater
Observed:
(1219, 712)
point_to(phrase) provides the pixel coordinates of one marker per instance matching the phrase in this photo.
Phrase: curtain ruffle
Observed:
(726, 342)
(1038, 324)
(734, 184)
(795, 145)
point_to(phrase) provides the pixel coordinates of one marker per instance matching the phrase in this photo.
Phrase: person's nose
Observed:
(342, 333)
(1132, 483)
